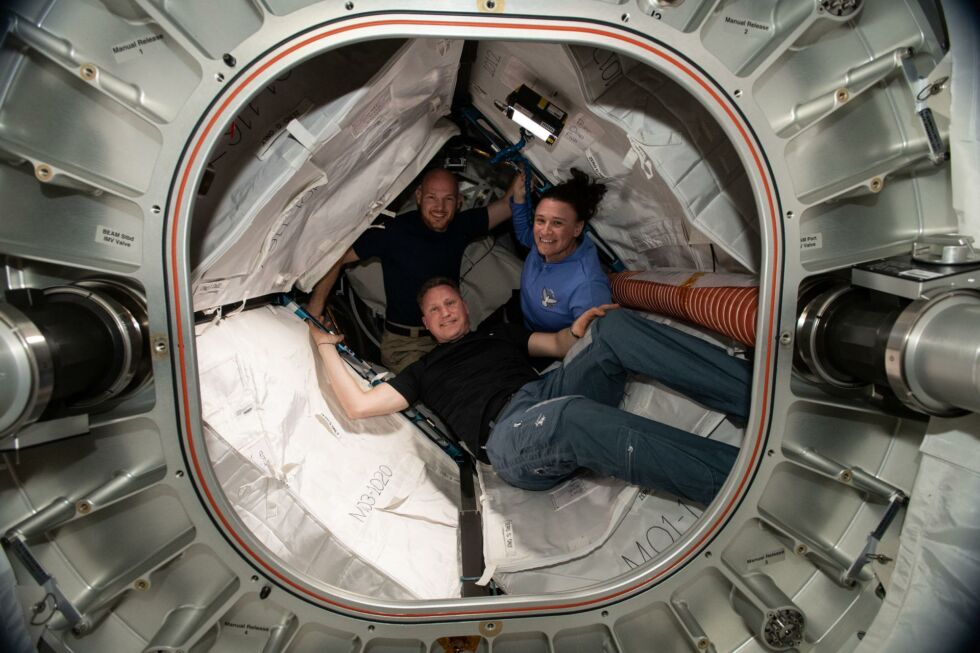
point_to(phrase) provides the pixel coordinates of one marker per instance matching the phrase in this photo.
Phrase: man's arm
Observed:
(318, 298)
(556, 345)
(356, 401)
(499, 209)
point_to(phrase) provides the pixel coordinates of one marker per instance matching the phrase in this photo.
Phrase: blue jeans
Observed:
(569, 419)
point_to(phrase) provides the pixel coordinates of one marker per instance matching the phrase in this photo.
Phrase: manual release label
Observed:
(129, 50)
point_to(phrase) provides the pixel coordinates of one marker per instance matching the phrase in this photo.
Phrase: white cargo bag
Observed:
(385, 494)
(674, 181)
(294, 208)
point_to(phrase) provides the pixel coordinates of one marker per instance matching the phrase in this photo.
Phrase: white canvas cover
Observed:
(674, 180)
(938, 562)
(297, 205)
(367, 505)
(591, 529)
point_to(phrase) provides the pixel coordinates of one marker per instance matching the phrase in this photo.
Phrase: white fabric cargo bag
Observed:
(368, 505)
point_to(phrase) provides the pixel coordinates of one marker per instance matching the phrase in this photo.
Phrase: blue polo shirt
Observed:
(411, 254)
(553, 295)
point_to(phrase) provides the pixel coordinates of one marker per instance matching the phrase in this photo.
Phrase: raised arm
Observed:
(523, 221)
(318, 298)
(556, 345)
(499, 209)
(356, 401)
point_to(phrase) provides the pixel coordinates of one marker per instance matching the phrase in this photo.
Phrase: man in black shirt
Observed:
(537, 431)
(414, 247)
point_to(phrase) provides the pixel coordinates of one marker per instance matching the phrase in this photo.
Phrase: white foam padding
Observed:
(674, 181)
(370, 505)
(298, 204)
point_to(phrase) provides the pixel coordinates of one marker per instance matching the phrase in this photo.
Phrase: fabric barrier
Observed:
(726, 303)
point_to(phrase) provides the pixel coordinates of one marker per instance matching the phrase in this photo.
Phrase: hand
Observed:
(581, 325)
(321, 337)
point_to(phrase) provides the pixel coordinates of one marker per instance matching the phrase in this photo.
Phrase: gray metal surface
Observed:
(105, 126)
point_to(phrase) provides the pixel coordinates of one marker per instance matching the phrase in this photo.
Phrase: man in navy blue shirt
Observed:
(414, 247)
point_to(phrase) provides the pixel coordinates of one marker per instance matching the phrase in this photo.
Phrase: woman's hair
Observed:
(580, 192)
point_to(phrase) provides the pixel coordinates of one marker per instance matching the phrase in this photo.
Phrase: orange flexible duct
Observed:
(726, 303)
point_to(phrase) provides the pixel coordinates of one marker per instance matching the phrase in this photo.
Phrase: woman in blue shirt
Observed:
(561, 278)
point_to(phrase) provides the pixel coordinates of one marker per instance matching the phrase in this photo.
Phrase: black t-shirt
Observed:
(468, 381)
(411, 254)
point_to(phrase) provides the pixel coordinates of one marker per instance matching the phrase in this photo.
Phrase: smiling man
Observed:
(538, 430)
(413, 247)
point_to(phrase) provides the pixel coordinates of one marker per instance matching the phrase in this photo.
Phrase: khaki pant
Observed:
(398, 352)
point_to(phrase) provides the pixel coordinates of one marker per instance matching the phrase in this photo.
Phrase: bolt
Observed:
(88, 71)
(264, 592)
(702, 643)
(842, 95)
(43, 172)
(141, 584)
(83, 507)
(80, 628)
(160, 346)
(229, 60)
(625, 18)
(349, 6)
(876, 184)
(845, 476)
(801, 549)
(785, 338)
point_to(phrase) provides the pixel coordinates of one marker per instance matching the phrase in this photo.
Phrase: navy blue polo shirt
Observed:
(411, 254)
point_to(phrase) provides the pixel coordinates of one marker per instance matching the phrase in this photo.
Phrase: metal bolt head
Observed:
(141, 584)
(702, 643)
(845, 476)
(83, 507)
(876, 184)
(490, 628)
(80, 628)
(160, 346)
(842, 95)
(88, 71)
(43, 172)
(801, 549)
(785, 338)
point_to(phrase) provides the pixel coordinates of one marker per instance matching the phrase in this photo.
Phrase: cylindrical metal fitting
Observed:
(70, 349)
(933, 354)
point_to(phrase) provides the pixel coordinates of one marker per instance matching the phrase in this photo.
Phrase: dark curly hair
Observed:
(580, 192)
